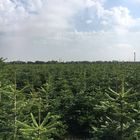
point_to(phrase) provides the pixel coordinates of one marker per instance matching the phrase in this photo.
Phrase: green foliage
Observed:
(2, 62)
(120, 121)
(78, 100)
(43, 131)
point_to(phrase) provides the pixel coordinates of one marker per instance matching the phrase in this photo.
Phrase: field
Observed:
(95, 101)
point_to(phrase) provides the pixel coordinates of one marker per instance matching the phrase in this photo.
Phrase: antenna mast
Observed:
(134, 57)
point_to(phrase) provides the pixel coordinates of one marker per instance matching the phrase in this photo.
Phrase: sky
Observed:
(70, 30)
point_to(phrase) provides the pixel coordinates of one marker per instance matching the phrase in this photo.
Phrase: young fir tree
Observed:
(120, 118)
(42, 125)
(40, 130)
(12, 102)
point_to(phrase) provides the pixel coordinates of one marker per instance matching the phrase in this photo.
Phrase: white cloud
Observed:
(45, 30)
(118, 19)
(70, 46)
(122, 16)
(89, 21)
(57, 15)
(121, 51)
(10, 15)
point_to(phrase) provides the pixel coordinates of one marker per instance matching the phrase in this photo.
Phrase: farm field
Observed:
(83, 101)
(69, 70)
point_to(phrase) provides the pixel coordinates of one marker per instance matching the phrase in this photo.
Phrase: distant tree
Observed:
(30, 62)
(2, 62)
(40, 62)
(17, 62)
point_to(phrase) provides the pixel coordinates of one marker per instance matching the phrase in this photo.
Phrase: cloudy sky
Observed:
(69, 30)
